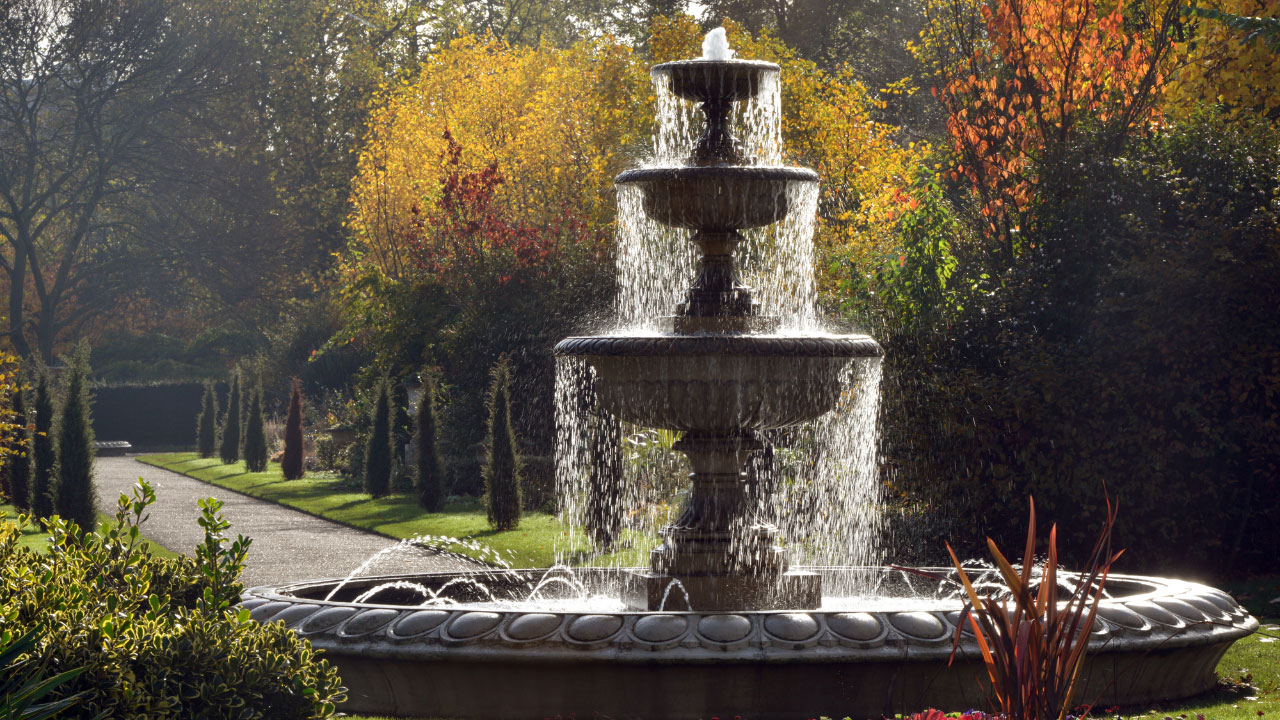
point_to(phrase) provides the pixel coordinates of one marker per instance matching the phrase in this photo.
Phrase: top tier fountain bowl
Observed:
(753, 636)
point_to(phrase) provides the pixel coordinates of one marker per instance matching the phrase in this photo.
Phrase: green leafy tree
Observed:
(75, 496)
(430, 479)
(207, 424)
(255, 436)
(229, 447)
(377, 456)
(502, 463)
(293, 465)
(18, 471)
(43, 455)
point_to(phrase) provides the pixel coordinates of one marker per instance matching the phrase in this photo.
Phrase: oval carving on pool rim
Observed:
(419, 622)
(1182, 609)
(855, 626)
(291, 616)
(791, 626)
(1152, 611)
(473, 624)
(326, 618)
(724, 628)
(918, 624)
(533, 626)
(660, 628)
(590, 628)
(368, 621)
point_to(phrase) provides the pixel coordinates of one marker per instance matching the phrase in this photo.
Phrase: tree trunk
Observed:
(17, 289)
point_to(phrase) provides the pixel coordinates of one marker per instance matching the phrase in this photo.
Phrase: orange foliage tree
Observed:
(1022, 81)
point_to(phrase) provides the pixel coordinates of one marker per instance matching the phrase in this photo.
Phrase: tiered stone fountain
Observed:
(722, 372)
(759, 638)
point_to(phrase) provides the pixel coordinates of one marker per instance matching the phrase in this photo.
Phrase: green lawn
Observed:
(534, 544)
(34, 537)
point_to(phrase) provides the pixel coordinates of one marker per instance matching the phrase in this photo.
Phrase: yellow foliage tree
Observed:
(1220, 64)
(558, 125)
(554, 123)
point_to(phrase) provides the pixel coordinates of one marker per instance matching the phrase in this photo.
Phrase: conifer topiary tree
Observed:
(255, 435)
(502, 462)
(377, 454)
(19, 468)
(207, 423)
(430, 479)
(229, 443)
(293, 464)
(74, 497)
(43, 456)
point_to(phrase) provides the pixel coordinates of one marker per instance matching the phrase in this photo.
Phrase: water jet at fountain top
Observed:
(715, 46)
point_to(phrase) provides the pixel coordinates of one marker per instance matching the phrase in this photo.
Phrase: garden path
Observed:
(287, 545)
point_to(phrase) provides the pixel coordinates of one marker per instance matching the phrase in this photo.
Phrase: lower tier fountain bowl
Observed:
(574, 649)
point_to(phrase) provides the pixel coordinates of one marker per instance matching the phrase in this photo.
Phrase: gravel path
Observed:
(287, 545)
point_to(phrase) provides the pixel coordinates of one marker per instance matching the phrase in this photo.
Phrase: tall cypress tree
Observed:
(294, 462)
(502, 464)
(74, 496)
(377, 455)
(19, 469)
(229, 444)
(42, 455)
(207, 423)
(430, 480)
(255, 435)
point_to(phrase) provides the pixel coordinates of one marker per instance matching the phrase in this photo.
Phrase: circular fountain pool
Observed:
(523, 643)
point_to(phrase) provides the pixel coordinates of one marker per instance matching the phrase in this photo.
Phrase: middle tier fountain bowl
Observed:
(508, 651)
(718, 383)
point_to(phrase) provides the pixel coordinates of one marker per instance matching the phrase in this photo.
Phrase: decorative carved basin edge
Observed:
(1169, 614)
(849, 346)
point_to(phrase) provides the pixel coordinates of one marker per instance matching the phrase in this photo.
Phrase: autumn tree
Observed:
(484, 208)
(1023, 81)
(1230, 57)
(15, 448)
(85, 89)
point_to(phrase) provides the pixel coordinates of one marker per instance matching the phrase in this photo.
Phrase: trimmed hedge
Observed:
(149, 417)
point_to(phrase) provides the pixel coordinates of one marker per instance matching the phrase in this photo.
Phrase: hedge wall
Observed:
(150, 417)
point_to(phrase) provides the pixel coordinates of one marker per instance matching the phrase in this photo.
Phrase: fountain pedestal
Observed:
(718, 555)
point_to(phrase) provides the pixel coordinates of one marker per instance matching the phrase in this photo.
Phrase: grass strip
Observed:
(539, 541)
(35, 538)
